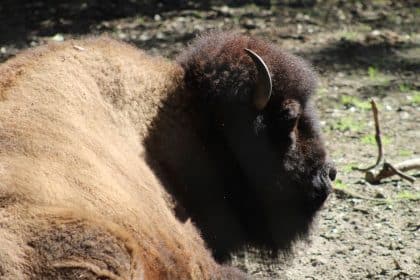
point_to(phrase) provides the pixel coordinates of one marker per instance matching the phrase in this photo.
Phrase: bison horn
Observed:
(264, 85)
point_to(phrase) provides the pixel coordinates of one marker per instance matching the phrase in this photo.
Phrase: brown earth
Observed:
(361, 49)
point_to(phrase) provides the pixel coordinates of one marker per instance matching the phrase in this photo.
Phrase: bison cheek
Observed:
(291, 223)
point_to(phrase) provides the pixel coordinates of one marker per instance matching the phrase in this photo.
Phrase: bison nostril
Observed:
(332, 173)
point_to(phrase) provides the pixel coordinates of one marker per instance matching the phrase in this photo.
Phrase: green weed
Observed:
(416, 98)
(370, 140)
(347, 124)
(373, 72)
(352, 101)
(348, 167)
(377, 76)
(252, 6)
(339, 184)
(404, 87)
(407, 195)
(349, 35)
(405, 153)
(322, 91)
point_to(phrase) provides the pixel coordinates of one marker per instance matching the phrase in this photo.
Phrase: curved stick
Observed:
(378, 139)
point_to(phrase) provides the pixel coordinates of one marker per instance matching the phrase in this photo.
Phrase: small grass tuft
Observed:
(349, 35)
(340, 185)
(407, 195)
(321, 91)
(352, 101)
(404, 87)
(416, 98)
(377, 76)
(347, 124)
(373, 72)
(348, 167)
(405, 153)
(370, 140)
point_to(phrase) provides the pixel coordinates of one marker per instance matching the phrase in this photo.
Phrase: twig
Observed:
(356, 195)
(388, 170)
(399, 172)
(79, 48)
(378, 139)
(374, 176)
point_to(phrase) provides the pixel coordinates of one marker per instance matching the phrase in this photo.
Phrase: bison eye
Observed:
(284, 120)
(286, 116)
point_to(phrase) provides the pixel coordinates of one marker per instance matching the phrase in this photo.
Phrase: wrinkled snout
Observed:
(322, 183)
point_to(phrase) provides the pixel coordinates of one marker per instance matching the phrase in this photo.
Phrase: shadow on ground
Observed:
(349, 55)
(20, 19)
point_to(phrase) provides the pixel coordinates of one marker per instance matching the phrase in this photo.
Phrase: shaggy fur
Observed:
(99, 142)
(77, 200)
(245, 177)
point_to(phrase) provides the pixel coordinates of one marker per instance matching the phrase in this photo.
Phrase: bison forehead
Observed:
(217, 65)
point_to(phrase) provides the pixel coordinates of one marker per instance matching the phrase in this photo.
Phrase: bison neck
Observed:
(203, 176)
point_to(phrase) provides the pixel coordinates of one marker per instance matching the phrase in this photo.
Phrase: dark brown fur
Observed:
(246, 177)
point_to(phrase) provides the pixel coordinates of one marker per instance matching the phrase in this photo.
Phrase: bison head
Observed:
(260, 137)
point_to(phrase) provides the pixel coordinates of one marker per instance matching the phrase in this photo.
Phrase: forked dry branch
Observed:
(383, 169)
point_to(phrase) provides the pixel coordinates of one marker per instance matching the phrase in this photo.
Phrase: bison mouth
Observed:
(318, 192)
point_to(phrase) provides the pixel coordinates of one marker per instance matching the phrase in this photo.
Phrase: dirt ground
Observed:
(362, 50)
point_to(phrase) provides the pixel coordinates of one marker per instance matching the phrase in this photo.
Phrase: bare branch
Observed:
(353, 194)
(378, 139)
(388, 170)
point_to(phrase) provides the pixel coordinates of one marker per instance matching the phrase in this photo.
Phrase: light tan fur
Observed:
(77, 199)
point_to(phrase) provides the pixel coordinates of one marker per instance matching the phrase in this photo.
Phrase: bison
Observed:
(118, 165)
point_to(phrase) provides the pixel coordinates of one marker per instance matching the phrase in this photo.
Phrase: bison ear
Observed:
(264, 86)
(291, 111)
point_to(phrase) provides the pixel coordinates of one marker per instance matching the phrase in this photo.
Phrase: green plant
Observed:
(377, 76)
(407, 195)
(405, 153)
(352, 101)
(252, 6)
(404, 87)
(370, 139)
(349, 35)
(373, 72)
(347, 124)
(416, 98)
(340, 185)
(348, 167)
(322, 91)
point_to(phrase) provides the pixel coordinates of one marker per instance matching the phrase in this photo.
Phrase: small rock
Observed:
(122, 35)
(144, 37)
(79, 48)
(58, 37)
(157, 17)
(160, 36)
(375, 33)
(226, 10)
(249, 24)
(379, 195)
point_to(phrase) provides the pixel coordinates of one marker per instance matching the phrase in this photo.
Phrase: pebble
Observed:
(157, 18)
(58, 37)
